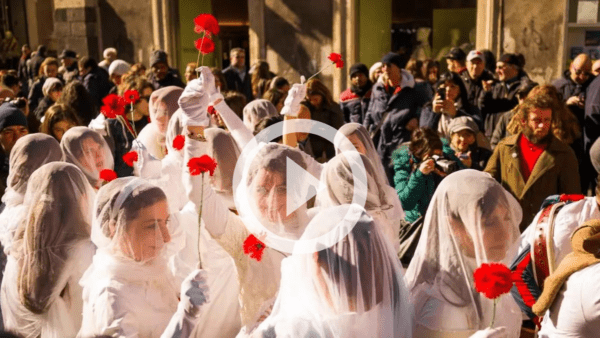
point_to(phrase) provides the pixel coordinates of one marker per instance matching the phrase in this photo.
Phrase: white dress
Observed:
(63, 318)
(576, 309)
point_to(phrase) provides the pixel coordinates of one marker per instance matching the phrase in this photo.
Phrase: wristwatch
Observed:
(197, 137)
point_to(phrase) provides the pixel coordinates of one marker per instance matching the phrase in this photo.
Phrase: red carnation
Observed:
(205, 45)
(337, 59)
(493, 280)
(254, 248)
(202, 164)
(206, 23)
(108, 175)
(114, 105)
(130, 157)
(178, 142)
(131, 96)
(211, 110)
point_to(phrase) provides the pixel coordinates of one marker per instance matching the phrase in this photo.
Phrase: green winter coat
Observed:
(415, 189)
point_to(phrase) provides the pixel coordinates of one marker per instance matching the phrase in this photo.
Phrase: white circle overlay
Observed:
(243, 197)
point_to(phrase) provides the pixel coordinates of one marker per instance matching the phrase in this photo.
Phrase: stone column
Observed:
(76, 26)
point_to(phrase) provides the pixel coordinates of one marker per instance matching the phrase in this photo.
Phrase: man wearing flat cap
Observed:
(69, 68)
(354, 101)
(392, 113)
(502, 96)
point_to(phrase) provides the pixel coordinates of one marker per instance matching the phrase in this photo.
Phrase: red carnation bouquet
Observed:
(114, 105)
(208, 26)
(199, 166)
(493, 280)
(254, 248)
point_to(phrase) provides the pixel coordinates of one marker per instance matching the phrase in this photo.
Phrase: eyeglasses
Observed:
(581, 71)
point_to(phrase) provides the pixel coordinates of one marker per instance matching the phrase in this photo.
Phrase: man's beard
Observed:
(530, 134)
(361, 91)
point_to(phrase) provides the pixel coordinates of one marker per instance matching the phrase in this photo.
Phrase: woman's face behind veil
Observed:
(145, 235)
(93, 155)
(270, 193)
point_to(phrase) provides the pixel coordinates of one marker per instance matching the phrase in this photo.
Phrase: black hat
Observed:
(67, 54)
(359, 68)
(395, 59)
(158, 56)
(10, 115)
(456, 54)
(510, 59)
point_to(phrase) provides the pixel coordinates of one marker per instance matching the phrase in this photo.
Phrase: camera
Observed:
(444, 165)
(442, 93)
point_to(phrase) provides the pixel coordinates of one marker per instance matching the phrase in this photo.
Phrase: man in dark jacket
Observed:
(162, 75)
(69, 69)
(236, 74)
(456, 62)
(36, 63)
(13, 125)
(572, 86)
(392, 113)
(94, 79)
(354, 101)
(22, 71)
(502, 96)
(475, 76)
(50, 69)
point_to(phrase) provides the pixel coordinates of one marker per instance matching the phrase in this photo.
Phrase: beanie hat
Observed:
(158, 56)
(510, 59)
(109, 51)
(118, 67)
(50, 83)
(456, 54)
(359, 68)
(10, 116)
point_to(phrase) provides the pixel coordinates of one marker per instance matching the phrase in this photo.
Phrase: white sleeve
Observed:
(241, 134)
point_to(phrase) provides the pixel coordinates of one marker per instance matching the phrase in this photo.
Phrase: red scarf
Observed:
(530, 152)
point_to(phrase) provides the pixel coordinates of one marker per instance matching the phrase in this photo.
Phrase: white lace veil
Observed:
(351, 289)
(175, 128)
(355, 129)
(58, 206)
(28, 154)
(257, 110)
(88, 150)
(131, 219)
(222, 147)
(471, 220)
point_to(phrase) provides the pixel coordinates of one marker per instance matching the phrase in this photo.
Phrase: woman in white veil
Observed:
(471, 220)
(257, 110)
(88, 150)
(340, 184)
(348, 285)
(28, 154)
(52, 249)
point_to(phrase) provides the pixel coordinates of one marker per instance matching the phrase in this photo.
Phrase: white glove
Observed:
(194, 292)
(296, 94)
(195, 98)
(498, 332)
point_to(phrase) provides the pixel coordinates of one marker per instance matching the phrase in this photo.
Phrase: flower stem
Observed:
(133, 121)
(319, 72)
(199, 51)
(494, 313)
(200, 222)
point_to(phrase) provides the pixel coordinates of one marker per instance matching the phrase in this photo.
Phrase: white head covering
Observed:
(48, 84)
(373, 69)
(109, 51)
(129, 222)
(86, 149)
(118, 67)
(471, 220)
(58, 216)
(361, 133)
(175, 128)
(257, 110)
(28, 154)
(351, 289)
(222, 147)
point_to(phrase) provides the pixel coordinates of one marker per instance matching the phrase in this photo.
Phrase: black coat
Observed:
(475, 87)
(41, 109)
(591, 129)
(502, 98)
(235, 83)
(171, 79)
(400, 108)
(97, 84)
(35, 93)
(430, 119)
(354, 107)
(568, 88)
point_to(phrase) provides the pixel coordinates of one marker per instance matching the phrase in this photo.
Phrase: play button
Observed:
(300, 186)
(299, 180)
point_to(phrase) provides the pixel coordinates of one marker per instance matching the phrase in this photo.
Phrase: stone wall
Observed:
(76, 28)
